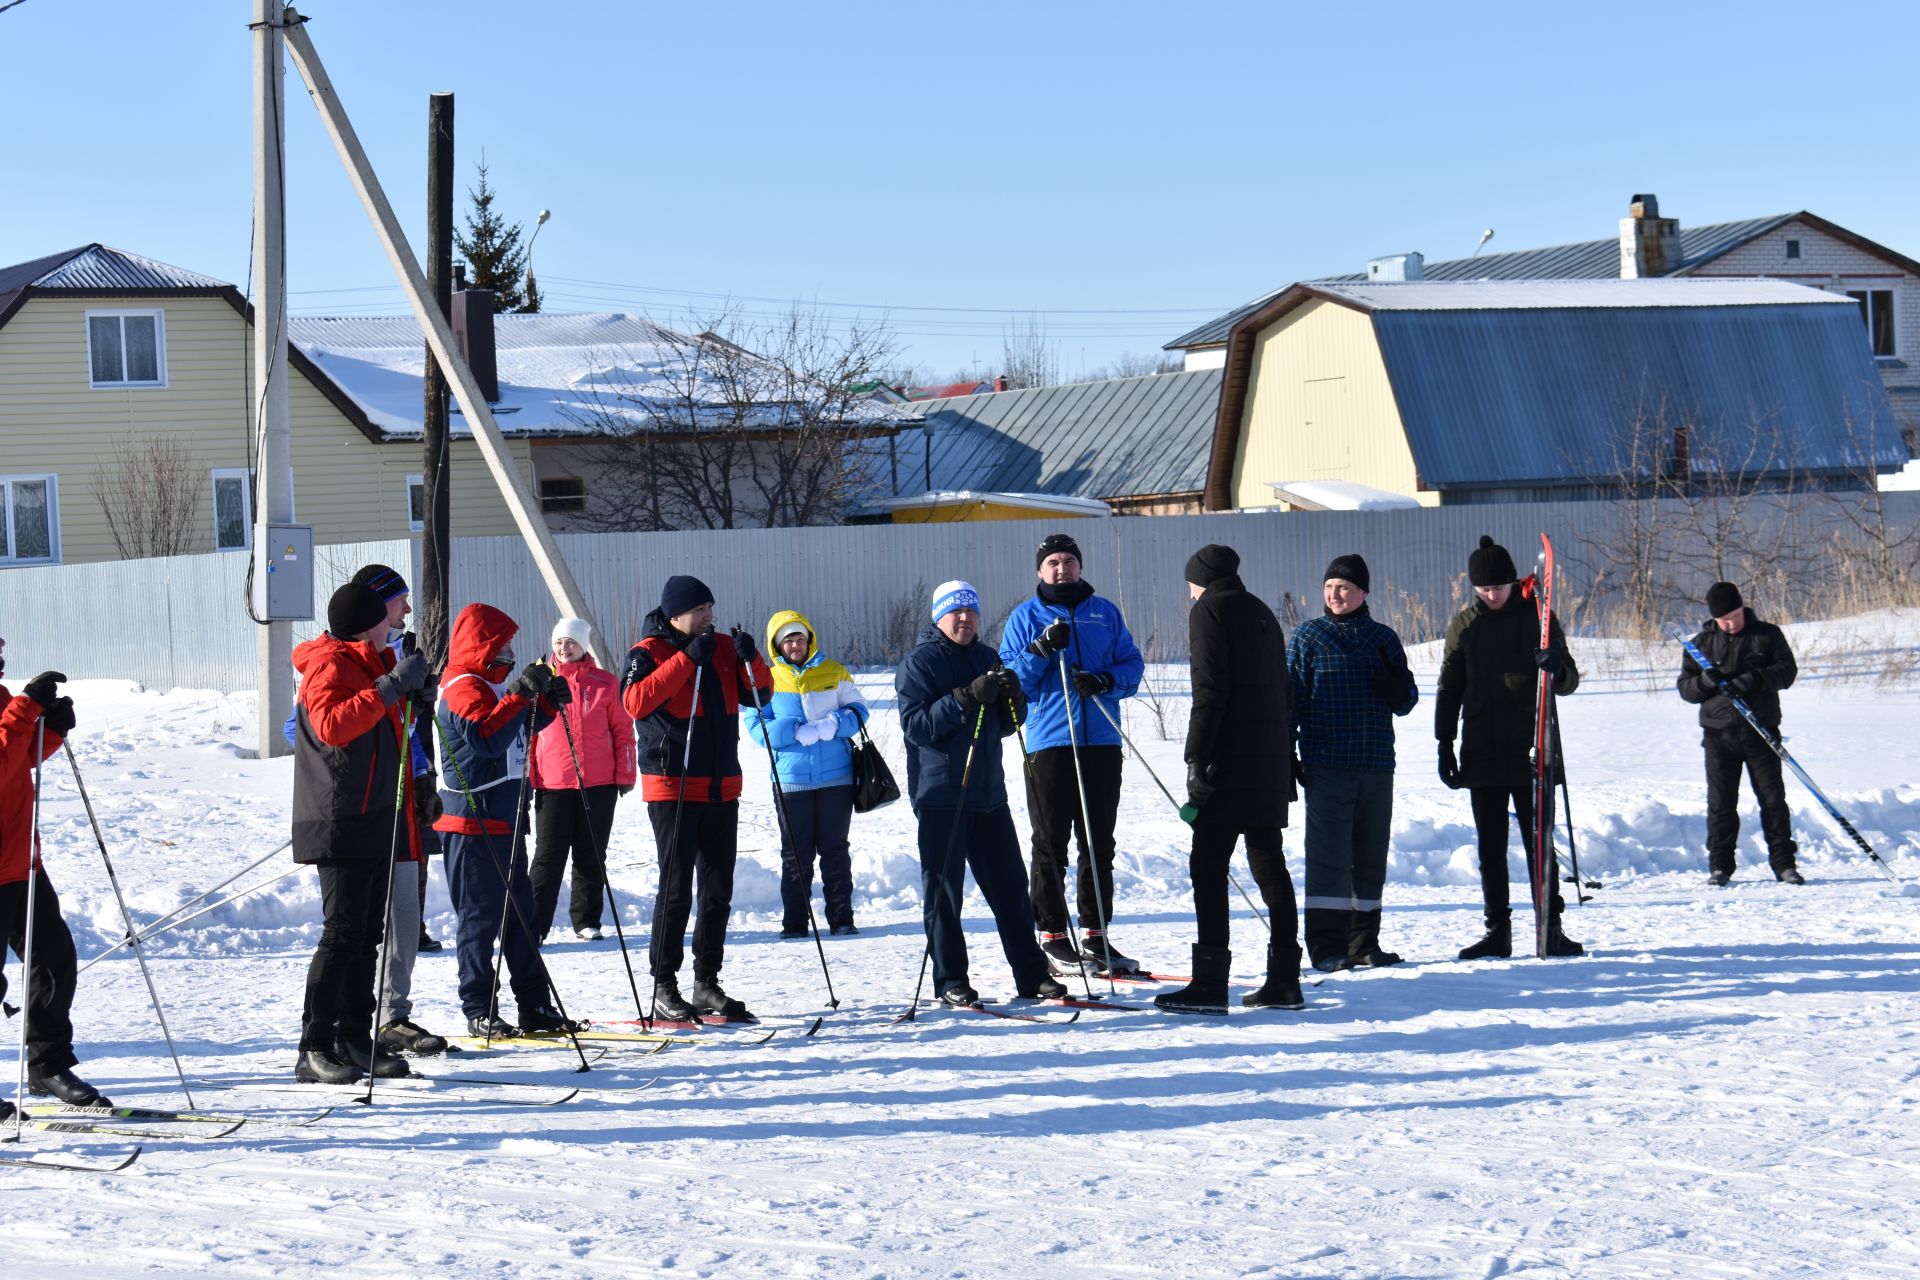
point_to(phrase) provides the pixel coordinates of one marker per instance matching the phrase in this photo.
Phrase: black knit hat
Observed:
(1490, 565)
(383, 580)
(1211, 563)
(1055, 543)
(354, 608)
(1723, 598)
(683, 594)
(1350, 568)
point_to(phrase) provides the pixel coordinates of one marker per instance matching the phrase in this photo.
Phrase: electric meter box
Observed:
(289, 576)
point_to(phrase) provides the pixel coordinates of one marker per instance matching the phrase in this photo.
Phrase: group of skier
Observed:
(1267, 723)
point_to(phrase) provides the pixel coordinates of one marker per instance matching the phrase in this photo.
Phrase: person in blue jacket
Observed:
(953, 694)
(1065, 616)
(810, 722)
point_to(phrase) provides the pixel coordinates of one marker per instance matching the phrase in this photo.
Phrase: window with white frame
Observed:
(127, 348)
(562, 495)
(30, 513)
(232, 509)
(1876, 312)
(417, 503)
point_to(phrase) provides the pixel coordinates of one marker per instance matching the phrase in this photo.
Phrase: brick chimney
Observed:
(473, 331)
(1000, 383)
(1649, 243)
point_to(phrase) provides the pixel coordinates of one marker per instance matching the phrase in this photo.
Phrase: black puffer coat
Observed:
(1240, 723)
(1761, 651)
(1489, 685)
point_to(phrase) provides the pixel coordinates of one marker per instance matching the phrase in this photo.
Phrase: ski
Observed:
(69, 1165)
(59, 1111)
(599, 1046)
(1543, 875)
(534, 1095)
(1007, 1015)
(705, 1023)
(1079, 1002)
(127, 1129)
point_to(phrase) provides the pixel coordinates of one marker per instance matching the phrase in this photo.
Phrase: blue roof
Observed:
(95, 266)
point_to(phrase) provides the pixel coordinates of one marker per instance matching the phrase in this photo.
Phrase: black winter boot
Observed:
(406, 1036)
(1282, 987)
(543, 1021)
(1325, 930)
(1559, 944)
(67, 1087)
(1363, 942)
(708, 997)
(1207, 993)
(383, 1062)
(317, 1066)
(1099, 950)
(668, 1004)
(1498, 943)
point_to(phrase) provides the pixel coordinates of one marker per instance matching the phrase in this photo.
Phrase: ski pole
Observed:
(599, 857)
(1566, 799)
(1185, 816)
(402, 765)
(667, 880)
(486, 840)
(127, 916)
(26, 951)
(159, 923)
(946, 858)
(152, 932)
(1020, 730)
(513, 847)
(1086, 820)
(786, 832)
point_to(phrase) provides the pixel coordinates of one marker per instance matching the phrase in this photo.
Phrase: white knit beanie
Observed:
(576, 629)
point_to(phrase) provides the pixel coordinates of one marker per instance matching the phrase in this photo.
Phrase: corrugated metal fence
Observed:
(178, 622)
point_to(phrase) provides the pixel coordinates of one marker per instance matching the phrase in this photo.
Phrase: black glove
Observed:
(59, 717)
(744, 646)
(532, 681)
(409, 675)
(1744, 685)
(1200, 788)
(1391, 684)
(985, 688)
(1550, 661)
(1449, 765)
(700, 648)
(426, 799)
(41, 688)
(558, 693)
(1091, 684)
(1057, 636)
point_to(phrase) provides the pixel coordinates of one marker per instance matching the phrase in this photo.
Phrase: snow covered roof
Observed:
(1531, 295)
(1048, 502)
(1339, 495)
(95, 266)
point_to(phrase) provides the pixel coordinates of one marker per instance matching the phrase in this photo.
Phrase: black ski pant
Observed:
(1053, 807)
(1490, 822)
(709, 842)
(566, 827)
(986, 843)
(1349, 820)
(1208, 866)
(340, 978)
(50, 987)
(1726, 757)
(474, 864)
(818, 821)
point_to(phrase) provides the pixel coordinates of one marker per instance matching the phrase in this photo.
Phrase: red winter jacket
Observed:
(350, 755)
(657, 687)
(19, 729)
(480, 748)
(602, 732)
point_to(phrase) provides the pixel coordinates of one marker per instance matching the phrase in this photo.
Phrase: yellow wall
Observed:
(954, 512)
(349, 488)
(1319, 407)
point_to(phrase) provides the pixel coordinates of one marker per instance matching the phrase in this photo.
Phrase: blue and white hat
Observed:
(949, 596)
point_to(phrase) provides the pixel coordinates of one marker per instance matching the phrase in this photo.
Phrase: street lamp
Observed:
(533, 296)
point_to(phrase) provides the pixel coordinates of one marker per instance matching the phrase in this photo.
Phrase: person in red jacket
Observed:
(574, 814)
(50, 986)
(683, 684)
(353, 814)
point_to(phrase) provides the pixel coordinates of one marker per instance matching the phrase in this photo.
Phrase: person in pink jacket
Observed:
(569, 818)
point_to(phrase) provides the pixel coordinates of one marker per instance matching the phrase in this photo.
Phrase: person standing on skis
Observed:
(1489, 672)
(1064, 617)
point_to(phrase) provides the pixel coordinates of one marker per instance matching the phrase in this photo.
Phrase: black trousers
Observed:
(709, 842)
(340, 978)
(563, 828)
(1053, 807)
(818, 821)
(1212, 851)
(1726, 757)
(50, 987)
(1490, 822)
(986, 842)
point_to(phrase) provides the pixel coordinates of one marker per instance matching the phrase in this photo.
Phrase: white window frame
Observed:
(1893, 312)
(159, 348)
(581, 497)
(7, 558)
(420, 483)
(245, 477)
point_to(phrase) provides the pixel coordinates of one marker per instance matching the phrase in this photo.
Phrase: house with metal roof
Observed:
(1801, 247)
(1125, 446)
(127, 424)
(1500, 391)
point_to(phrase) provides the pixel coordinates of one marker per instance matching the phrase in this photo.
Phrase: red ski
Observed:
(1544, 859)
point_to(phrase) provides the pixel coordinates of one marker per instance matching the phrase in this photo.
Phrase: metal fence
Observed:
(179, 622)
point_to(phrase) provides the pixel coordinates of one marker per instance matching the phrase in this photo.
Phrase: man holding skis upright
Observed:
(1752, 661)
(40, 717)
(1065, 618)
(683, 685)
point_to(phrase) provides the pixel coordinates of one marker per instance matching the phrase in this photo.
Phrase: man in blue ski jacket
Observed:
(1064, 618)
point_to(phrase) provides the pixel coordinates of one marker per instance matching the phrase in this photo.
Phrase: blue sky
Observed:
(1118, 172)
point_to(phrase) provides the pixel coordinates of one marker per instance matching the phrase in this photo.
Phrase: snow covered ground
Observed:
(1724, 1086)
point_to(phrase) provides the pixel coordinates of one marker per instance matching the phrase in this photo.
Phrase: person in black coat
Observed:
(1753, 661)
(1239, 780)
(956, 703)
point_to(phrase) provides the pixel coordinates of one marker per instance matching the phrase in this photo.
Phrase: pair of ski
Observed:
(654, 1037)
(133, 1122)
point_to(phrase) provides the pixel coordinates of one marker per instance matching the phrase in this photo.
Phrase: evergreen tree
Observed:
(496, 259)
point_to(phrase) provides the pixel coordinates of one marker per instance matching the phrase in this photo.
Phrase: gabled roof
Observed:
(1114, 438)
(949, 390)
(1586, 260)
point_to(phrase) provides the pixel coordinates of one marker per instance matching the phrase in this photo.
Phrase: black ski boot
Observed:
(405, 1036)
(1045, 989)
(960, 995)
(67, 1087)
(1791, 875)
(1058, 948)
(669, 1005)
(1559, 945)
(1326, 931)
(1720, 879)
(1497, 945)
(1363, 942)
(708, 997)
(383, 1062)
(1101, 954)
(491, 1026)
(1282, 987)
(1207, 993)
(318, 1066)
(544, 1022)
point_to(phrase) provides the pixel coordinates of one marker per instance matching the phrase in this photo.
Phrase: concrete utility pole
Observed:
(435, 540)
(486, 433)
(273, 477)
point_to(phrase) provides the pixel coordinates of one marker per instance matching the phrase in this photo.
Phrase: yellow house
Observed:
(127, 429)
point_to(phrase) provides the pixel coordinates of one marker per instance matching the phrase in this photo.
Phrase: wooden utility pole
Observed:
(273, 474)
(436, 540)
